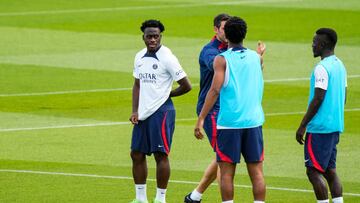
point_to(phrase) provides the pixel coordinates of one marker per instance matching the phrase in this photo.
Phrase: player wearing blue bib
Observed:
(324, 119)
(153, 113)
(206, 59)
(238, 80)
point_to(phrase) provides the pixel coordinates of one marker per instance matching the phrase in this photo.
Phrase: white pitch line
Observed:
(128, 123)
(65, 126)
(251, 2)
(64, 92)
(129, 88)
(90, 10)
(152, 180)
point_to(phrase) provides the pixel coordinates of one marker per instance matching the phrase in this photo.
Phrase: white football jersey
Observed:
(156, 73)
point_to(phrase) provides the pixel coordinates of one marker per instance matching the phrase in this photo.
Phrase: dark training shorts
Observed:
(155, 133)
(231, 143)
(320, 150)
(210, 128)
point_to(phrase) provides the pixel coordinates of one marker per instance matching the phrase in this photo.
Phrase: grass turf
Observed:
(77, 50)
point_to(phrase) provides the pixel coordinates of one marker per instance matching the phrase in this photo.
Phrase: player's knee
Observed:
(137, 156)
(309, 173)
(226, 176)
(160, 157)
(331, 173)
(313, 175)
(255, 171)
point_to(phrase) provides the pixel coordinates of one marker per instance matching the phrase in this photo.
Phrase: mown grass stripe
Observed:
(129, 88)
(128, 123)
(130, 8)
(152, 180)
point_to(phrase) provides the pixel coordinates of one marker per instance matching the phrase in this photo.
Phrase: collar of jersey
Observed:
(241, 48)
(218, 44)
(152, 54)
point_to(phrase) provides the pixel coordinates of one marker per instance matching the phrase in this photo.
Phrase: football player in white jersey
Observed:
(153, 113)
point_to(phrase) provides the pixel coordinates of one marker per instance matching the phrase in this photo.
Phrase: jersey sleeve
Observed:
(174, 68)
(321, 77)
(346, 80)
(208, 57)
(136, 67)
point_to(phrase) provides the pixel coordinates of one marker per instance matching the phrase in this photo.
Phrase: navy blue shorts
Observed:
(210, 128)
(320, 150)
(155, 133)
(231, 143)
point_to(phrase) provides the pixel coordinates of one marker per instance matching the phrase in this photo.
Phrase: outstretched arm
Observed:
(261, 48)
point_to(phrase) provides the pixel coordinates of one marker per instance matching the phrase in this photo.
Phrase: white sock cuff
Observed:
(229, 201)
(195, 195)
(338, 200)
(161, 190)
(323, 201)
(196, 192)
(257, 201)
(140, 186)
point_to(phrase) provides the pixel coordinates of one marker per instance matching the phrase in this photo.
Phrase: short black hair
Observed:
(152, 23)
(331, 36)
(219, 18)
(235, 29)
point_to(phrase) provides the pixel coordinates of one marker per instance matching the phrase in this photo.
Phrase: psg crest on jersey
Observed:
(155, 66)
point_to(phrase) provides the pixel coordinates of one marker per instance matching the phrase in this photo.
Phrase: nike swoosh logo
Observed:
(306, 160)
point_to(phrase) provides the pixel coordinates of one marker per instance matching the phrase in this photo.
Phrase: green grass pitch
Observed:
(65, 98)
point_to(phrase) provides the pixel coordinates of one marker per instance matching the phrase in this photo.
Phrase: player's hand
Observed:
(197, 130)
(134, 118)
(300, 135)
(261, 47)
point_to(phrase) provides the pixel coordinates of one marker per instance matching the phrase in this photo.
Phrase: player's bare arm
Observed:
(345, 94)
(184, 87)
(261, 48)
(312, 110)
(135, 101)
(212, 95)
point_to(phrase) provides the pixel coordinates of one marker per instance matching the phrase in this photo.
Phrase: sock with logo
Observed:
(160, 195)
(338, 200)
(323, 201)
(141, 192)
